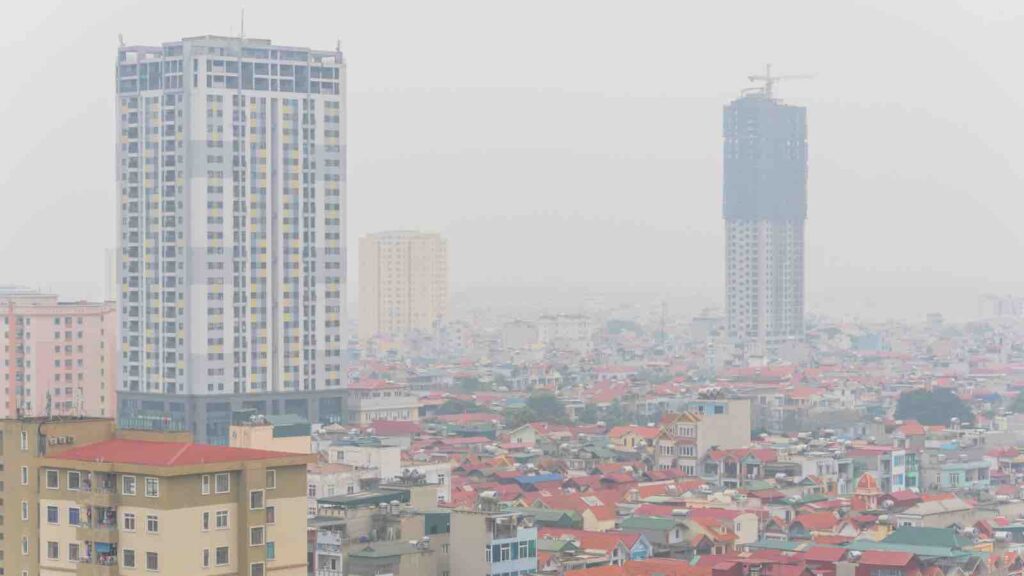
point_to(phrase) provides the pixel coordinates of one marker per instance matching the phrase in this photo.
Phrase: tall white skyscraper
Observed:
(764, 205)
(232, 268)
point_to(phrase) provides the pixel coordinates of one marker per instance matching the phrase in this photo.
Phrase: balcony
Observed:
(106, 532)
(107, 567)
(99, 524)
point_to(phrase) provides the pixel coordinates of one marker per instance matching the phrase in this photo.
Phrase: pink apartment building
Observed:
(57, 357)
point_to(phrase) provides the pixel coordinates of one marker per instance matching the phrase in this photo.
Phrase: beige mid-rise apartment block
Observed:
(58, 358)
(84, 498)
(403, 283)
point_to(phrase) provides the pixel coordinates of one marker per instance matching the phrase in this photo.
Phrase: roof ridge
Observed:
(180, 451)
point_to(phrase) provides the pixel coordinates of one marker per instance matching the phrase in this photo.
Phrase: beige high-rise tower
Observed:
(403, 283)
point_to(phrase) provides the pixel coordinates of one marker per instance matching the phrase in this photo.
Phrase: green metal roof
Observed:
(919, 536)
(926, 551)
(811, 498)
(550, 516)
(289, 425)
(556, 545)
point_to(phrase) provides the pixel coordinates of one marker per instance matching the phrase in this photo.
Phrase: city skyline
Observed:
(660, 145)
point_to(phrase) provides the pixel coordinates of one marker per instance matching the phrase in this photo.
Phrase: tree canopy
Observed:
(546, 407)
(540, 407)
(457, 406)
(933, 407)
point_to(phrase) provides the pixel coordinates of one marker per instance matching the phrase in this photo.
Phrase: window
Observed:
(152, 524)
(271, 479)
(222, 555)
(206, 557)
(24, 475)
(24, 546)
(256, 569)
(74, 480)
(256, 536)
(152, 561)
(505, 553)
(128, 521)
(74, 516)
(271, 551)
(73, 551)
(128, 485)
(271, 514)
(152, 487)
(24, 509)
(128, 557)
(524, 549)
(206, 521)
(24, 441)
(222, 483)
(256, 500)
(222, 519)
(487, 553)
(52, 550)
(52, 515)
(206, 484)
(52, 479)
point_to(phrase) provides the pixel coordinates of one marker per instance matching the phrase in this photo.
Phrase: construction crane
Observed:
(769, 80)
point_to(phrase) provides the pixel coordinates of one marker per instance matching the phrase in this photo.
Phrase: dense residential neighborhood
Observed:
(569, 318)
(877, 450)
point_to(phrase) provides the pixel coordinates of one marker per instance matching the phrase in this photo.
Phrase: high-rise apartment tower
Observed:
(764, 206)
(403, 283)
(231, 182)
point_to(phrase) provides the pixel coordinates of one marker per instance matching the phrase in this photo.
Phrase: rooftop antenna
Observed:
(241, 30)
(768, 81)
(120, 39)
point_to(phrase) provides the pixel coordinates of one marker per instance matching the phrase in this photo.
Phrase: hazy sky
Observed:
(577, 142)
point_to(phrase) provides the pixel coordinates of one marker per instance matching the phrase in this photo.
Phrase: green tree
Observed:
(458, 406)
(933, 407)
(1017, 405)
(516, 417)
(546, 407)
(589, 414)
(469, 385)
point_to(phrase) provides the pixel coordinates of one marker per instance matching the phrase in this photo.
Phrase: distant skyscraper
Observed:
(764, 206)
(231, 179)
(403, 283)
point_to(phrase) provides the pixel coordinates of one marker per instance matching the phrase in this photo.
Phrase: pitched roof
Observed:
(598, 571)
(824, 554)
(937, 507)
(163, 454)
(646, 432)
(817, 520)
(648, 523)
(664, 567)
(590, 540)
(885, 558)
(921, 536)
